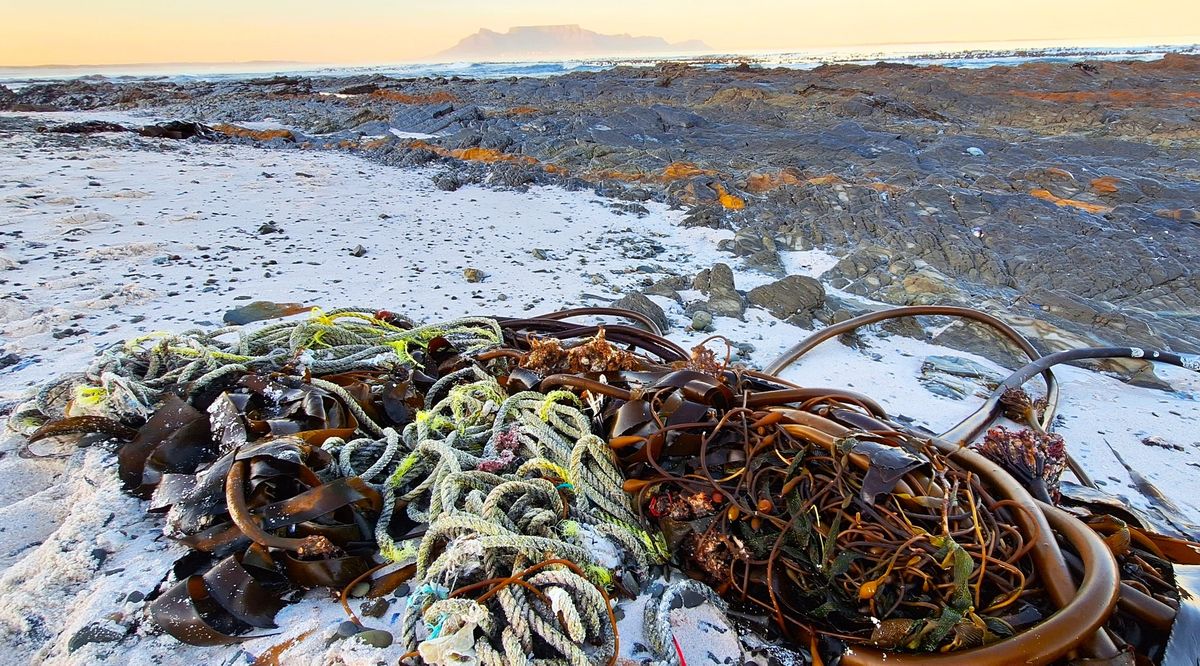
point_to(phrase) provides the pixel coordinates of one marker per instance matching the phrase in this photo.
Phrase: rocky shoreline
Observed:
(1063, 197)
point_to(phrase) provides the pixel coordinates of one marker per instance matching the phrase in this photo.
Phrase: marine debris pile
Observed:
(516, 479)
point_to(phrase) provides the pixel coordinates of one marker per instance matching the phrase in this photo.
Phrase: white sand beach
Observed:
(100, 243)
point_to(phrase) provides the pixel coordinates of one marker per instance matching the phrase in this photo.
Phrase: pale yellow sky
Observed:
(380, 31)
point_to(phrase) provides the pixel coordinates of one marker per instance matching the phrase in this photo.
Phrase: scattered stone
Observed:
(93, 633)
(269, 228)
(956, 378)
(702, 321)
(376, 638)
(374, 607)
(975, 151)
(793, 296)
(68, 332)
(473, 275)
(349, 628)
(358, 251)
(447, 182)
(1155, 440)
(638, 302)
(9, 360)
(724, 299)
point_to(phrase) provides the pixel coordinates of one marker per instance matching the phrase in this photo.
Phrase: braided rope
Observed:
(503, 482)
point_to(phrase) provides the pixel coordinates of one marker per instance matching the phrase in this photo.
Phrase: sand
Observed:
(102, 242)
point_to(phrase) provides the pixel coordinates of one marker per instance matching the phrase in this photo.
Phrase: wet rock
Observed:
(794, 296)
(638, 302)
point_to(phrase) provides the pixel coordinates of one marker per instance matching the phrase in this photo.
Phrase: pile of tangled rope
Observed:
(519, 476)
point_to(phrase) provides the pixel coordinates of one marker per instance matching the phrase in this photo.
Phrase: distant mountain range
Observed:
(561, 40)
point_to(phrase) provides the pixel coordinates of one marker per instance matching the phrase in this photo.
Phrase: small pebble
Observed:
(348, 629)
(374, 607)
(376, 638)
(360, 590)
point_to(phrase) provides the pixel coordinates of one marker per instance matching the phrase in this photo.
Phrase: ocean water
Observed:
(921, 55)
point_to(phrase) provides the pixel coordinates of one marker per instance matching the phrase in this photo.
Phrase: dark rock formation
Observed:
(1064, 198)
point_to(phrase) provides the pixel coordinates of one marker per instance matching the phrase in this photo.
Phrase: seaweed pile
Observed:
(520, 475)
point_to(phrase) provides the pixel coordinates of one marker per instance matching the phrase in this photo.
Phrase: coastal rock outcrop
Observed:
(936, 185)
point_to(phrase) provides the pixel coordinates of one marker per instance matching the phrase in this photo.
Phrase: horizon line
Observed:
(1188, 40)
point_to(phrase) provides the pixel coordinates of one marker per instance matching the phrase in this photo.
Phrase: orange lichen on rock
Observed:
(523, 111)
(1180, 214)
(554, 168)
(375, 143)
(681, 170)
(1061, 174)
(885, 187)
(765, 182)
(1046, 195)
(672, 172)
(476, 154)
(1106, 184)
(828, 179)
(1122, 97)
(257, 135)
(728, 201)
(405, 98)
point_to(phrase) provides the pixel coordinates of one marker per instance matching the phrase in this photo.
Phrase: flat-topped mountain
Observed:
(561, 40)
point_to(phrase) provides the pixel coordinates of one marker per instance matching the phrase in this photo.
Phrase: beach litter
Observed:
(486, 490)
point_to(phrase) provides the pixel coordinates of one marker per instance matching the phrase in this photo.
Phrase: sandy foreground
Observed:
(102, 241)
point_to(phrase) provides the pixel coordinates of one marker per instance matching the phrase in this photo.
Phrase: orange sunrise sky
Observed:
(361, 31)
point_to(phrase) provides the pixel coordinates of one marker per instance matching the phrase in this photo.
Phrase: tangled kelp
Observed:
(520, 473)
